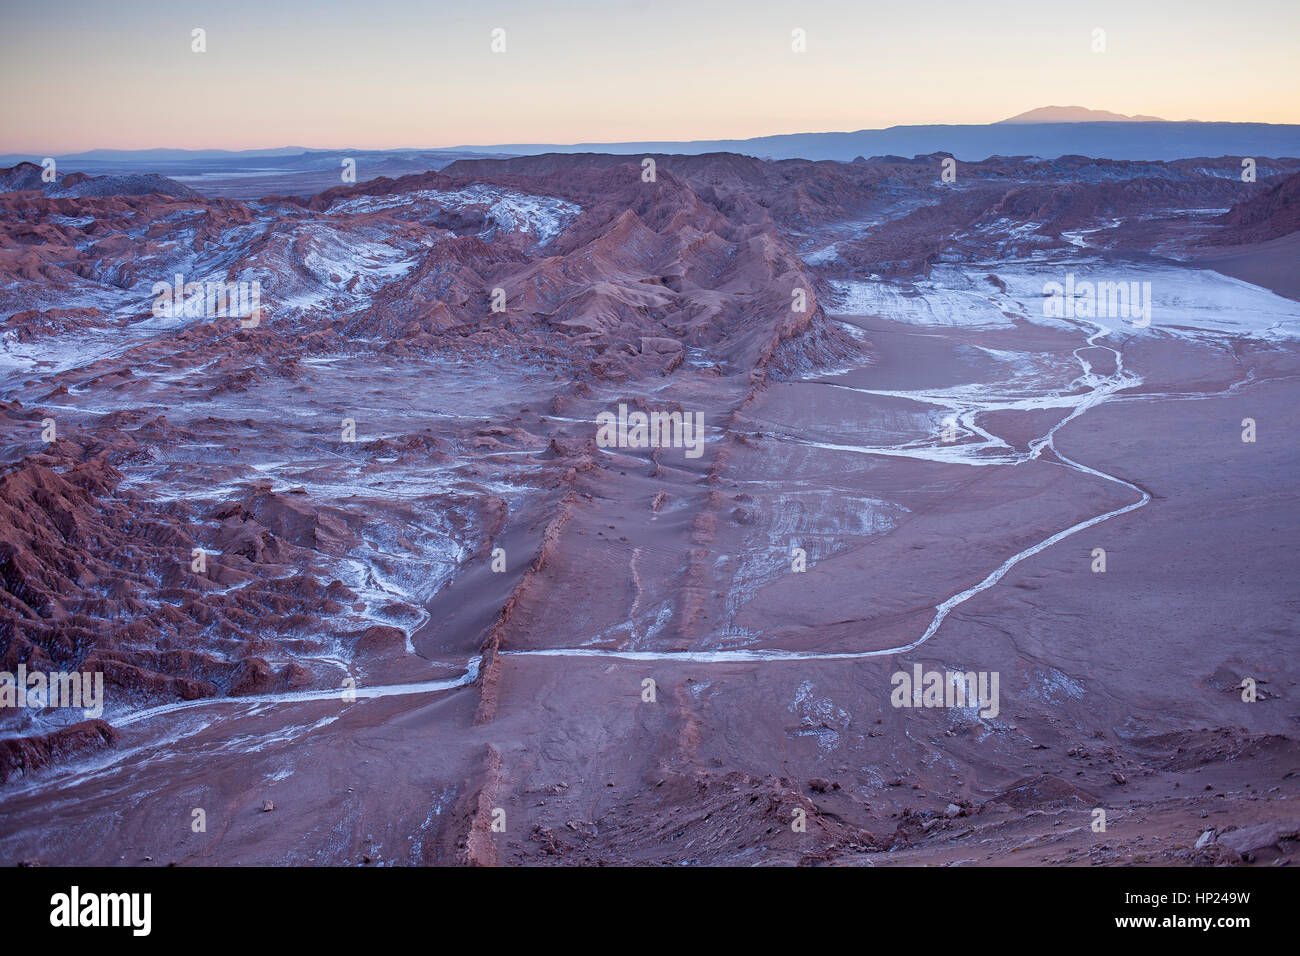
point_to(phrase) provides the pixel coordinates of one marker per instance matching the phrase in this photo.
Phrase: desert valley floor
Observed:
(431, 644)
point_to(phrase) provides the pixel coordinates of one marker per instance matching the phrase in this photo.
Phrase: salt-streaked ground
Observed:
(1183, 300)
(673, 649)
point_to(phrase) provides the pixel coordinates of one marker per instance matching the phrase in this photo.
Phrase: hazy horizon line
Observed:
(471, 147)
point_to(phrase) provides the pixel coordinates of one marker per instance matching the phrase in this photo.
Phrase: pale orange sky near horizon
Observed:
(399, 73)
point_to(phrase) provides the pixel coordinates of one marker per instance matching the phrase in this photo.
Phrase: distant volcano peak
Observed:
(1077, 114)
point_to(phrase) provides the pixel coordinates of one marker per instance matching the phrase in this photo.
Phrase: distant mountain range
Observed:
(1136, 138)
(1048, 133)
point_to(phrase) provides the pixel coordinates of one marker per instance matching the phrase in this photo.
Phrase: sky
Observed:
(375, 74)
